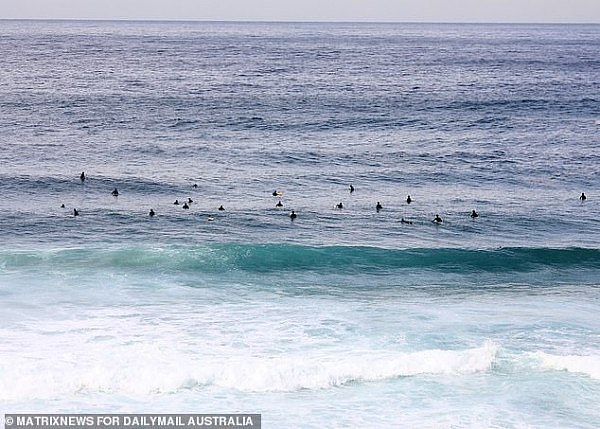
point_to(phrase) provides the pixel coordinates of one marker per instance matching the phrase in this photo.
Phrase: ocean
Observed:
(339, 318)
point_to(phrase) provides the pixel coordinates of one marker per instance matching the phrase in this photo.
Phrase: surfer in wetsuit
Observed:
(437, 219)
(474, 214)
(151, 214)
(82, 176)
(378, 206)
(582, 197)
(339, 205)
(408, 222)
(408, 200)
(293, 215)
(115, 192)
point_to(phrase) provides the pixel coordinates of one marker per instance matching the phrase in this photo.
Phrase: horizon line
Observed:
(324, 21)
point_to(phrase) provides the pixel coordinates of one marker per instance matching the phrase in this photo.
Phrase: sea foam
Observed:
(139, 372)
(588, 365)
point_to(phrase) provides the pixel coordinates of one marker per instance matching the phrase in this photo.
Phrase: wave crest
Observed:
(155, 372)
(588, 365)
(287, 257)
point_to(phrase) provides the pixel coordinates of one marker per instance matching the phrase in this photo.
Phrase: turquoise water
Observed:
(340, 318)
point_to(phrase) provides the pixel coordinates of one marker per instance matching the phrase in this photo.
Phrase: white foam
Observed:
(589, 365)
(321, 372)
(147, 370)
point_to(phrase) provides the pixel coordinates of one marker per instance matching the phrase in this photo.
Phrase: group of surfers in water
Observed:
(378, 207)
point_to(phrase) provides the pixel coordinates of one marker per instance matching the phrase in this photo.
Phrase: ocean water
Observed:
(340, 318)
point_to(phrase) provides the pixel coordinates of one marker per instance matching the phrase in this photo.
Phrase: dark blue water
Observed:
(501, 119)
(469, 323)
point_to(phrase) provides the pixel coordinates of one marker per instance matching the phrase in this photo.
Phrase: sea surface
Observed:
(341, 318)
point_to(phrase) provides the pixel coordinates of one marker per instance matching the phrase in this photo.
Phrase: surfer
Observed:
(82, 176)
(115, 192)
(339, 205)
(75, 212)
(176, 202)
(190, 201)
(274, 193)
(151, 214)
(195, 185)
(62, 206)
(408, 222)
(582, 197)
(185, 206)
(408, 200)
(437, 219)
(474, 214)
(378, 206)
(221, 208)
(351, 188)
(293, 215)
(279, 204)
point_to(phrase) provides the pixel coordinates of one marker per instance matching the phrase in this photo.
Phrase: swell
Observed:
(267, 258)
